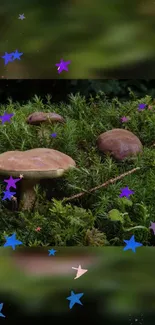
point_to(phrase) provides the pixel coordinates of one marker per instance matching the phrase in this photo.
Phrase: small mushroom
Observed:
(38, 118)
(44, 119)
(34, 165)
(119, 143)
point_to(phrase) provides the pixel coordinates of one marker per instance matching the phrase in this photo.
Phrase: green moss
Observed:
(84, 221)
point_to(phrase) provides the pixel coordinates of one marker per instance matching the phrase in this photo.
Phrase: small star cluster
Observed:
(10, 57)
(141, 107)
(74, 298)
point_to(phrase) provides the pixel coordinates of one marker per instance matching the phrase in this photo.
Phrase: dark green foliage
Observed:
(96, 219)
(22, 90)
(112, 87)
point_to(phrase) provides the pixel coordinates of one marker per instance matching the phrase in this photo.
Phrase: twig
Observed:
(110, 181)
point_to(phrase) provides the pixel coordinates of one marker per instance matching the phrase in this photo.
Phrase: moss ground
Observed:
(97, 219)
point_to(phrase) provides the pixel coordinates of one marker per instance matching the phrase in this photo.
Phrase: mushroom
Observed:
(43, 119)
(38, 118)
(119, 143)
(34, 165)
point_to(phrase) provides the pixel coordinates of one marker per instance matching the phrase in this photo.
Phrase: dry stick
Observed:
(110, 181)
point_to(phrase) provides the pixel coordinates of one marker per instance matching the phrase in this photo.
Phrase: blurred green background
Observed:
(118, 284)
(103, 39)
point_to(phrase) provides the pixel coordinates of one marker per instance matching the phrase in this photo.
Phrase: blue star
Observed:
(16, 55)
(7, 58)
(74, 299)
(141, 106)
(132, 244)
(8, 195)
(51, 252)
(53, 135)
(1, 306)
(12, 241)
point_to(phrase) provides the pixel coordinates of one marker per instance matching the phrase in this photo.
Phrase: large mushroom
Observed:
(119, 143)
(34, 165)
(44, 119)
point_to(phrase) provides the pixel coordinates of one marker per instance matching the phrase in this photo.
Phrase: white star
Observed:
(79, 271)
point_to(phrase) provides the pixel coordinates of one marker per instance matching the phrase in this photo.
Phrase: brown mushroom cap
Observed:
(35, 164)
(119, 143)
(37, 118)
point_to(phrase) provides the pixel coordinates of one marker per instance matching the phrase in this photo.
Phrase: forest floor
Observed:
(99, 218)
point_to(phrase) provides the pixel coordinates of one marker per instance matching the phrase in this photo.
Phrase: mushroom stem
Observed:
(27, 194)
(44, 135)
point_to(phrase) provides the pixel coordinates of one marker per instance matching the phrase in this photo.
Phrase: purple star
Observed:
(126, 192)
(152, 227)
(62, 65)
(8, 195)
(16, 55)
(7, 58)
(53, 135)
(6, 117)
(21, 17)
(141, 106)
(11, 182)
(124, 119)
